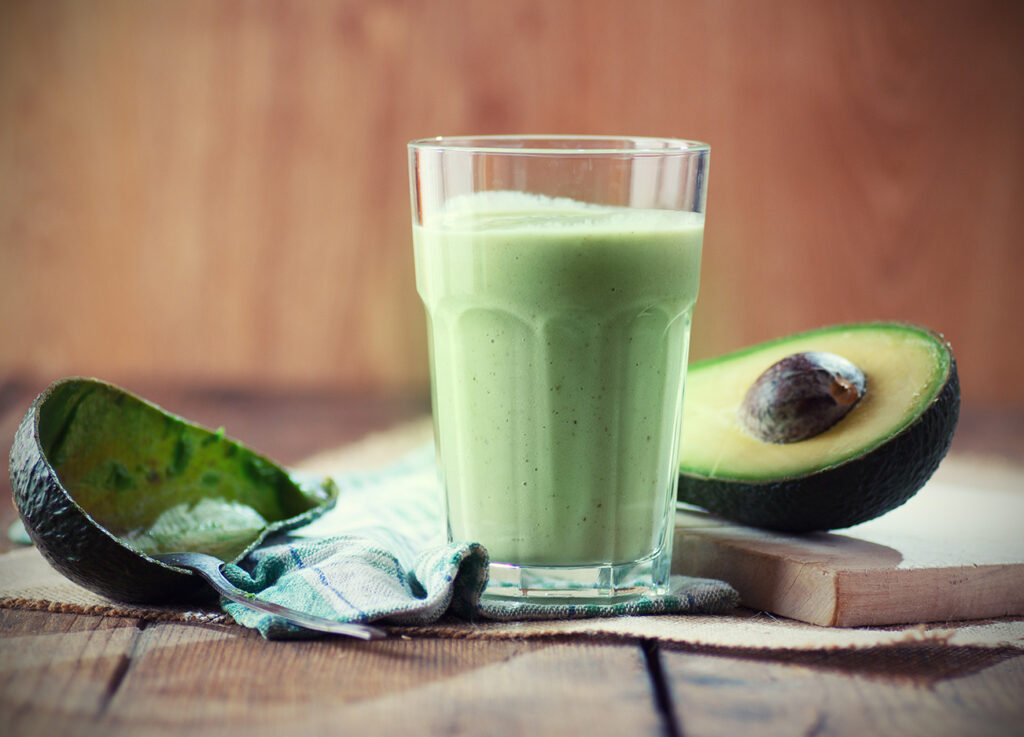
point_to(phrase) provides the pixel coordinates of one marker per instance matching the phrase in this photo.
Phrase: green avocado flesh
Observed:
(157, 482)
(213, 526)
(870, 461)
(100, 476)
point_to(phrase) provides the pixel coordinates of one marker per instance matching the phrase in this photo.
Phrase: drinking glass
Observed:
(559, 276)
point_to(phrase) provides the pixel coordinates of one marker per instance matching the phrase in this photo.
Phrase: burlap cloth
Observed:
(28, 582)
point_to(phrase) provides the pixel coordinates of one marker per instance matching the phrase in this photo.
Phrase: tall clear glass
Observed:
(559, 275)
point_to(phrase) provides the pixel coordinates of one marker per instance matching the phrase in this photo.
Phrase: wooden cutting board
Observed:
(955, 551)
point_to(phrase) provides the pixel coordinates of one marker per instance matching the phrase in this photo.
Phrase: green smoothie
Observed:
(558, 334)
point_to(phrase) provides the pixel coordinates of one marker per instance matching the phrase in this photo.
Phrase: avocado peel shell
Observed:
(865, 485)
(91, 461)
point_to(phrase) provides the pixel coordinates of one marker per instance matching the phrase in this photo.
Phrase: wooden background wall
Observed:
(217, 191)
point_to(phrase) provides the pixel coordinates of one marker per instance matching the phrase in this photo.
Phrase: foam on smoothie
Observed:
(503, 210)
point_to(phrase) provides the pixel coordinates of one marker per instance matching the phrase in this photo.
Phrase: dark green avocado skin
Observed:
(77, 546)
(856, 491)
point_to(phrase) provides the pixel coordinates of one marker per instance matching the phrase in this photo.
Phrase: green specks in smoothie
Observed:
(577, 312)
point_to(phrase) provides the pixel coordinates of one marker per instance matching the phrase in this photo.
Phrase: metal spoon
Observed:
(209, 567)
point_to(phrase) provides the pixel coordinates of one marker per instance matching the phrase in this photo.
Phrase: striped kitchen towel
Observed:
(378, 556)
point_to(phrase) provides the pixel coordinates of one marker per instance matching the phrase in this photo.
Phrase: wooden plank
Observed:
(220, 680)
(247, 686)
(953, 552)
(58, 672)
(718, 695)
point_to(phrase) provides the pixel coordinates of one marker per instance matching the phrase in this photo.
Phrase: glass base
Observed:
(603, 583)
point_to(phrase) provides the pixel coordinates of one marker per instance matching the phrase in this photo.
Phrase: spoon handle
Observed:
(208, 567)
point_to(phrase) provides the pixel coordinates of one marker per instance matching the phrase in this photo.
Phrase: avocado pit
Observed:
(801, 396)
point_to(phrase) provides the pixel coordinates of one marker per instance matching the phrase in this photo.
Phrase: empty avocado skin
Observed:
(851, 492)
(92, 558)
(90, 554)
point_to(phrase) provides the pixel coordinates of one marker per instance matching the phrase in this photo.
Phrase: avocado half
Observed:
(102, 479)
(873, 460)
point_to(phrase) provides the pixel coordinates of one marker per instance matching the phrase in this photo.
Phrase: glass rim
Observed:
(519, 145)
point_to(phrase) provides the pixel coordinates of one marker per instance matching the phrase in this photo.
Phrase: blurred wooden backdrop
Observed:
(216, 191)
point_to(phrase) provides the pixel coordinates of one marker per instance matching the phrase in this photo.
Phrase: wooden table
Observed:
(69, 674)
